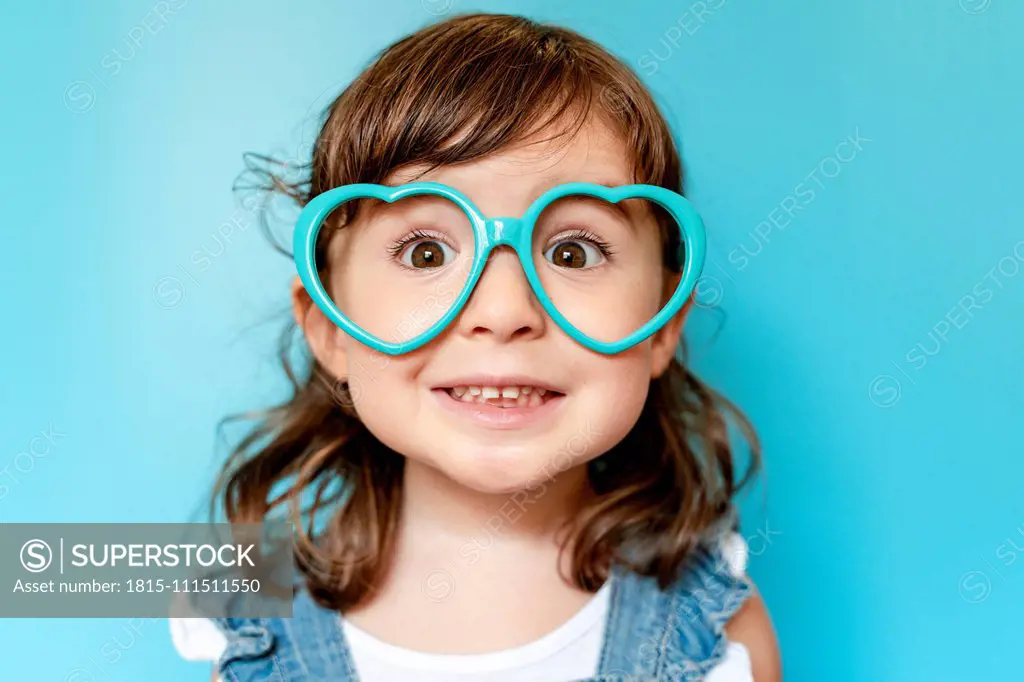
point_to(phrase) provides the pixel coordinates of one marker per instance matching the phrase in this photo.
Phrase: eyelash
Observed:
(581, 234)
(397, 246)
(577, 234)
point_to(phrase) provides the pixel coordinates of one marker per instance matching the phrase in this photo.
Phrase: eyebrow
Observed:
(618, 208)
(551, 181)
(608, 182)
(605, 181)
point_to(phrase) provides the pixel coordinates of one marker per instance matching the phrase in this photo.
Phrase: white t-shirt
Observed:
(569, 652)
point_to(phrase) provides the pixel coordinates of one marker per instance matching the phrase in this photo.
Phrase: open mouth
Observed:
(503, 396)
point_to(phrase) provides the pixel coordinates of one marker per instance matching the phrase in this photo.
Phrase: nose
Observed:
(502, 305)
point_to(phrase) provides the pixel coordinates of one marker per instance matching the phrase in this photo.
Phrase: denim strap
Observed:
(310, 646)
(672, 634)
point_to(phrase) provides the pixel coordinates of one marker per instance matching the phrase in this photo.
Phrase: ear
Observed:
(323, 337)
(666, 340)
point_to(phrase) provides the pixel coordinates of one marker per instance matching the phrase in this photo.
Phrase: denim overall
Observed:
(650, 634)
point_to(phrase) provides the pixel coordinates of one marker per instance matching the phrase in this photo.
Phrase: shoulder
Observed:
(752, 627)
(678, 630)
(751, 624)
(716, 601)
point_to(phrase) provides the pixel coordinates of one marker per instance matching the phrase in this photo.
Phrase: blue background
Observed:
(888, 481)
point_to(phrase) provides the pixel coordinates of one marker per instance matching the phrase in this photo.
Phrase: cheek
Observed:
(354, 290)
(379, 388)
(612, 315)
(409, 308)
(611, 403)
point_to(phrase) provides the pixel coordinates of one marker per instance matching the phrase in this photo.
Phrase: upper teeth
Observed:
(497, 391)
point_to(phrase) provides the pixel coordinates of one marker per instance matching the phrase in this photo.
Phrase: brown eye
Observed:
(573, 254)
(427, 254)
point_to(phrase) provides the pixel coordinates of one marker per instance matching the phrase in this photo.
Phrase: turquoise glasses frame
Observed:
(490, 233)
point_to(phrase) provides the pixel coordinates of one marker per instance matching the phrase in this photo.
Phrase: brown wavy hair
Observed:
(452, 92)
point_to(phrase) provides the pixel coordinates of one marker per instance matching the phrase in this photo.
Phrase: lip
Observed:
(499, 418)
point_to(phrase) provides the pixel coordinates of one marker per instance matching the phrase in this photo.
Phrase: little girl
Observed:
(503, 470)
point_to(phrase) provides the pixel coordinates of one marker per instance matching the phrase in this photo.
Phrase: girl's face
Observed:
(503, 399)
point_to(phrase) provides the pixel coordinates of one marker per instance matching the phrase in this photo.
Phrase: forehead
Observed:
(519, 173)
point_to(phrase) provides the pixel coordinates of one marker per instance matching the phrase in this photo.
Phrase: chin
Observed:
(496, 470)
(488, 485)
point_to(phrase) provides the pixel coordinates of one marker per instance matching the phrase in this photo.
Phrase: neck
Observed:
(483, 565)
(436, 505)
